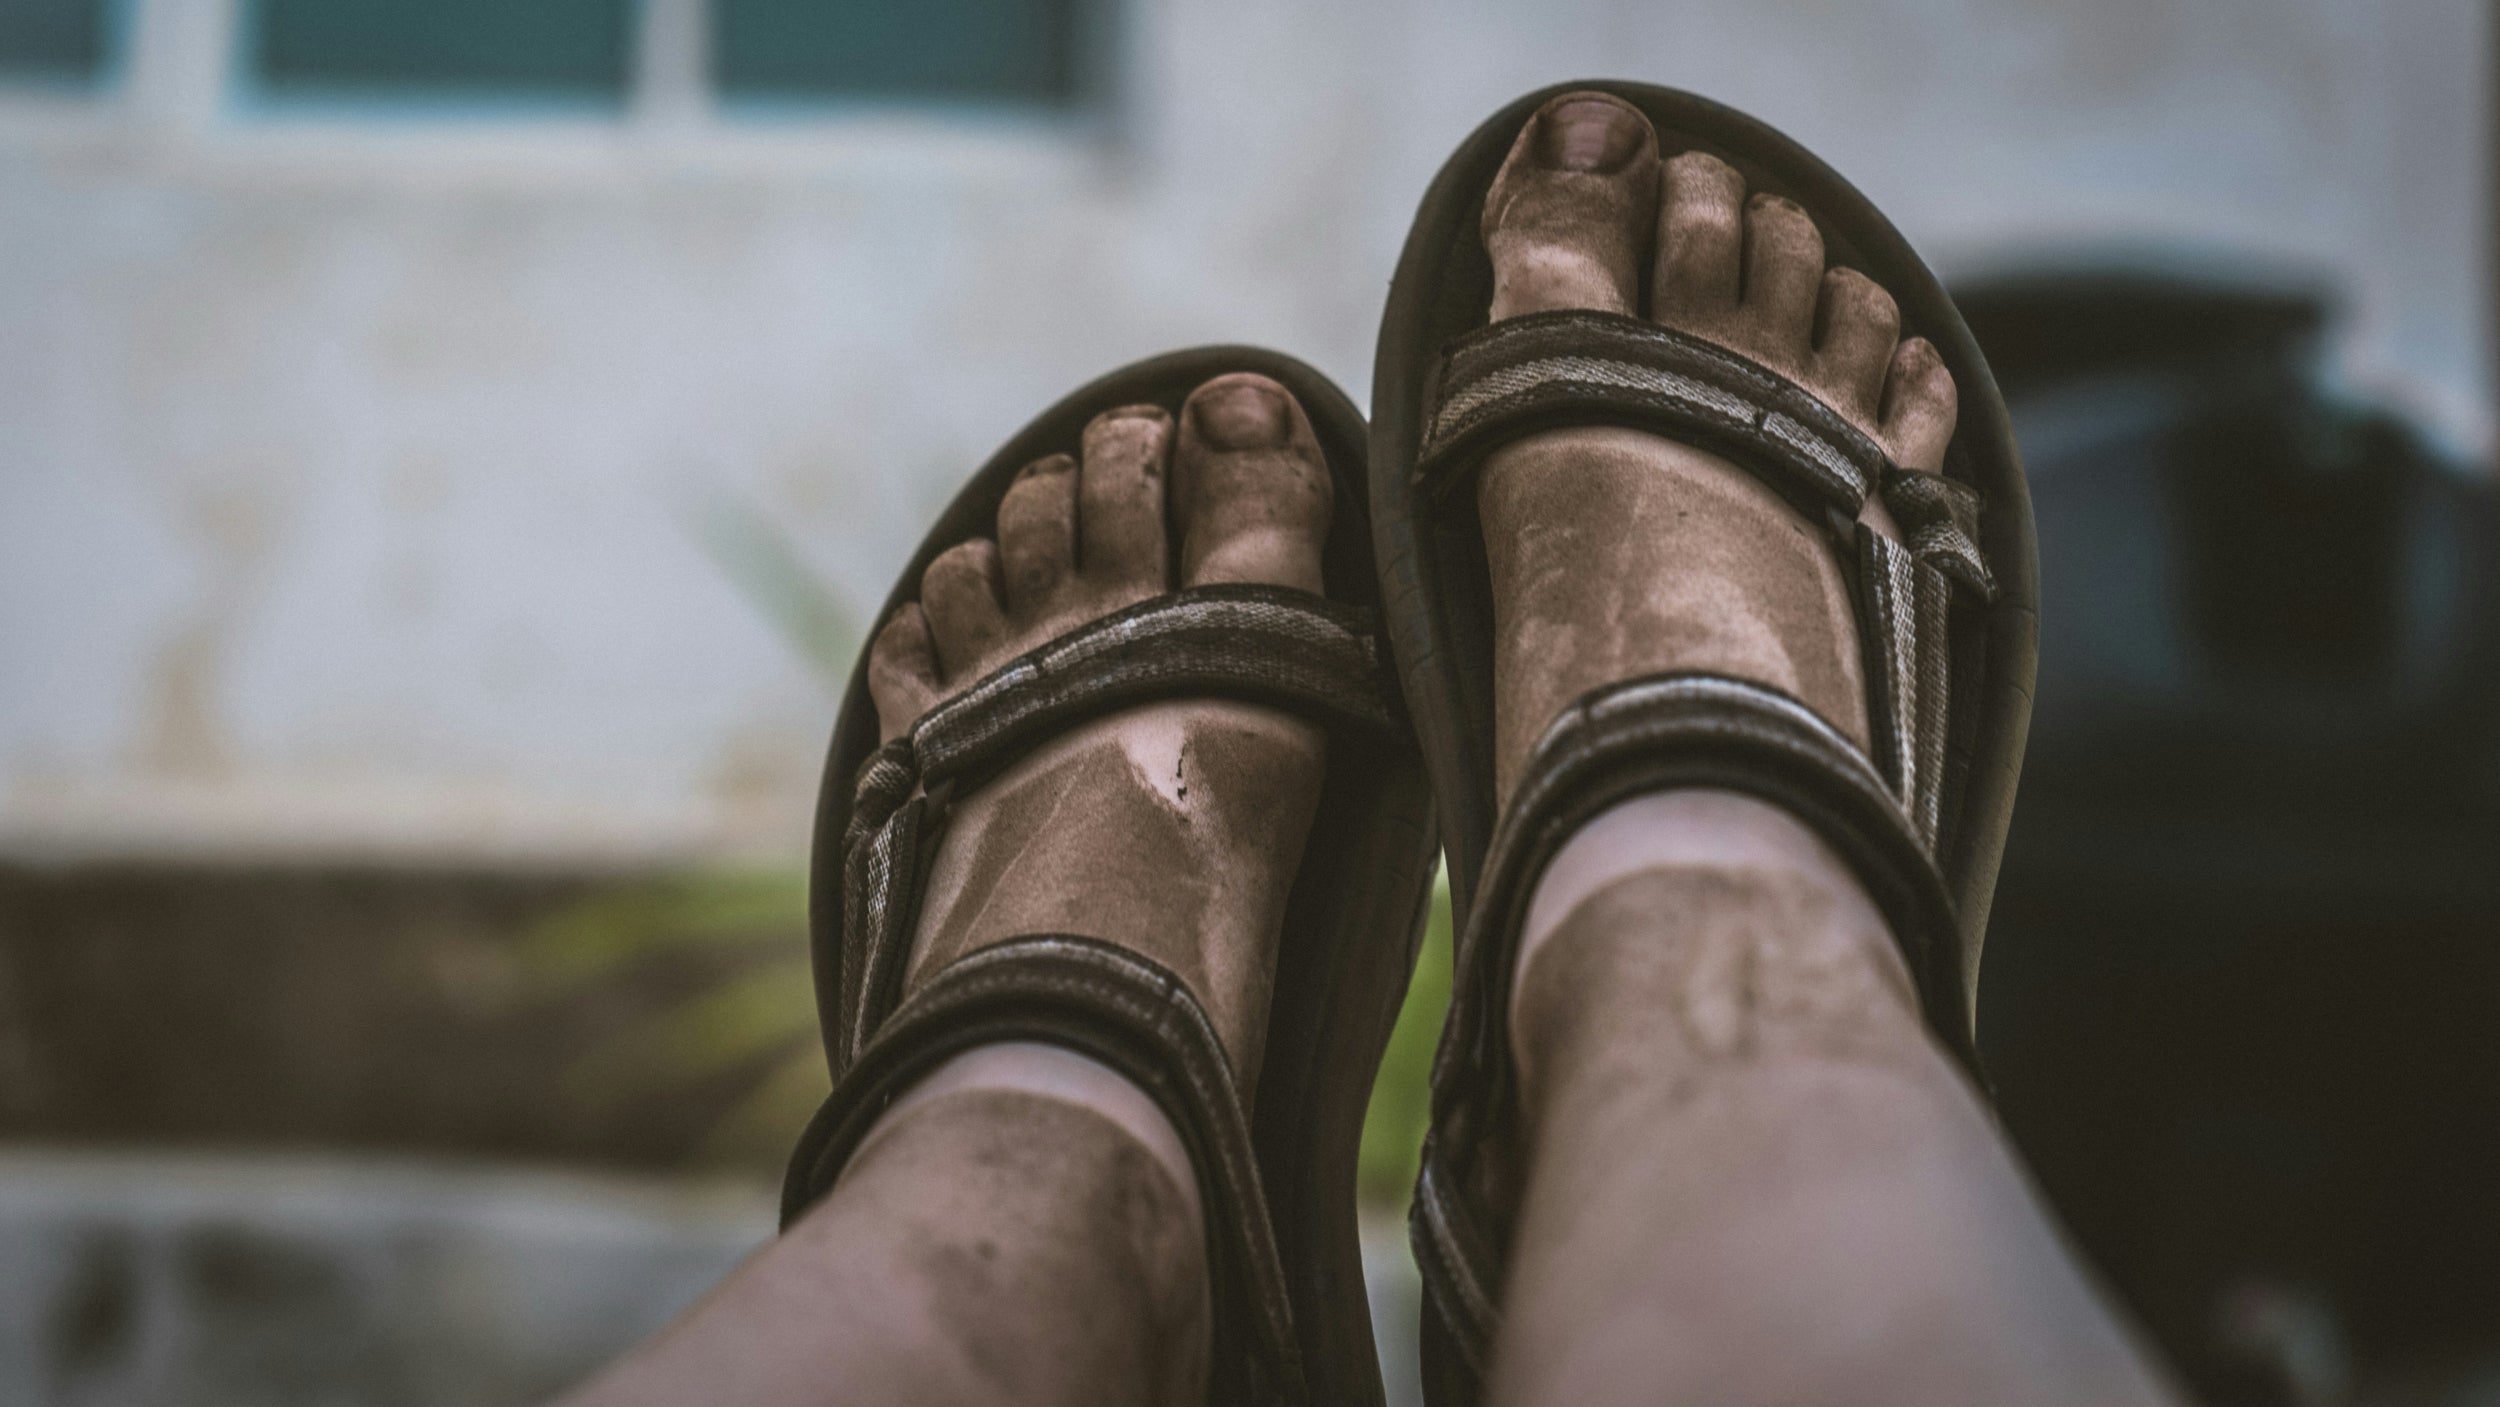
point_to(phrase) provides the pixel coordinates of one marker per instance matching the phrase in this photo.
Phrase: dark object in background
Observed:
(2242, 994)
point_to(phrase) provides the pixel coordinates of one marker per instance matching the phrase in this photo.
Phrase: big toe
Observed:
(1569, 218)
(1250, 487)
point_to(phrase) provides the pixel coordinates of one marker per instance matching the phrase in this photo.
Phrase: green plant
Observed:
(753, 1022)
(1401, 1103)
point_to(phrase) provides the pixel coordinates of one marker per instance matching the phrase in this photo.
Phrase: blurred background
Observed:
(446, 447)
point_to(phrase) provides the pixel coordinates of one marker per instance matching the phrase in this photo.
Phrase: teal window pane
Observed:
(1015, 51)
(52, 39)
(488, 48)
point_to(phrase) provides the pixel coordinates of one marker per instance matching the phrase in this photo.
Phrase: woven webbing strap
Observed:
(1581, 367)
(1263, 644)
(1525, 374)
(1645, 735)
(1903, 610)
(1255, 644)
(1139, 1018)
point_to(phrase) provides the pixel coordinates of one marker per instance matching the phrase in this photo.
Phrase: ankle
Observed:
(1711, 829)
(1021, 1231)
(1062, 1076)
(1683, 928)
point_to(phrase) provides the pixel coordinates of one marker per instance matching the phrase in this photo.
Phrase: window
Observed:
(1024, 54)
(53, 40)
(1020, 52)
(566, 50)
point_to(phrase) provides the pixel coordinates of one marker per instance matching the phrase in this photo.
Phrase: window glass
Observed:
(52, 39)
(1011, 51)
(565, 49)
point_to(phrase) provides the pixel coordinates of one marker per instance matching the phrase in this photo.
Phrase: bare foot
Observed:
(1616, 553)
(1173, 829)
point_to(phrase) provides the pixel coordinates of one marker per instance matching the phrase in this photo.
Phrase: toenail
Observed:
(1588, 134)
(1048, 464)
(1242, 415)
(1134, 412)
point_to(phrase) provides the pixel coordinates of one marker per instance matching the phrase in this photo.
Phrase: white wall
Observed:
(353, 472)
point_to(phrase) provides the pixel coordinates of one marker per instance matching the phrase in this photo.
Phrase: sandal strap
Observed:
(1577, 366)
(1904, 609)
(1259, 644)
(1138, 1017)
(1939, 519)
(1643, 735)
(1254, 644)
(1681, 730)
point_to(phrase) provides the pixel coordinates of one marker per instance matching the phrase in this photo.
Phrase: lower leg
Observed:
(1752, 1173)
(1022, 1226)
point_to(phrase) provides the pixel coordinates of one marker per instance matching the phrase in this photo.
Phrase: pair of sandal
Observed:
(1395, 661)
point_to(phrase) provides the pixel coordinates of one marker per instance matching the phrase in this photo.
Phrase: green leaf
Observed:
(767, 567)
(1401, 1102)
(598, 935)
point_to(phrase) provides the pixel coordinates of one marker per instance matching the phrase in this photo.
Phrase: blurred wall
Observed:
(411, 486)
